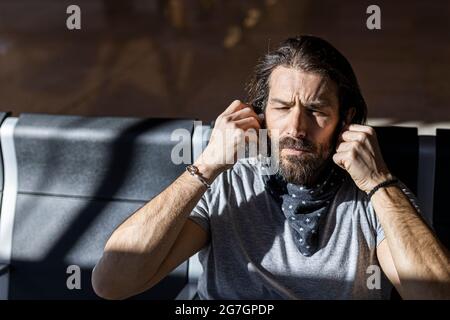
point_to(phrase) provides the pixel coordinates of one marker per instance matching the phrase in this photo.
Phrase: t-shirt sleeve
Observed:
(377, 229)
(379, 232)
(200, 213)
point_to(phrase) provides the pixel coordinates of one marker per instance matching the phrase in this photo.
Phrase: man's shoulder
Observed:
(251, 165)
(245, 170)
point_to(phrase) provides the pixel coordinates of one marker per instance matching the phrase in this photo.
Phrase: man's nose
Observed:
(297, 123)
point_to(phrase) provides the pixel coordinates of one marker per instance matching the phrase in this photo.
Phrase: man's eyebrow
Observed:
(281, 101)
(318, 103)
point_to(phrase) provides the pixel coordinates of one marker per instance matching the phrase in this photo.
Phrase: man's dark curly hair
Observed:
(311, 54)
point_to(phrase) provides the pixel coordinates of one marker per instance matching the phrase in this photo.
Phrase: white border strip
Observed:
(9, 198)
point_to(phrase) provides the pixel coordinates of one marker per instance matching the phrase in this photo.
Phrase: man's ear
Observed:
(350, 115)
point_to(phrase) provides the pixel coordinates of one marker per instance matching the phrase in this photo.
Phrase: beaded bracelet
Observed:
(382, 185)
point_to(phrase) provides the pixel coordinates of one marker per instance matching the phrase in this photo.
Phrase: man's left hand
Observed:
(359, 154)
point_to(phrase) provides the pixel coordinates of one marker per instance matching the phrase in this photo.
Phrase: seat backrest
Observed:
(441, 214)
(400, 149)
(78, 178)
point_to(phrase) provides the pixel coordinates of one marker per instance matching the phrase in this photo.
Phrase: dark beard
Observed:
(306, 168)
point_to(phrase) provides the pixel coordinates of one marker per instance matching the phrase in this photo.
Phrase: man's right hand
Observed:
(228, 134)
(158, 237)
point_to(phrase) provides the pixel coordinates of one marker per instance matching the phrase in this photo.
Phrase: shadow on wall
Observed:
(140, 59)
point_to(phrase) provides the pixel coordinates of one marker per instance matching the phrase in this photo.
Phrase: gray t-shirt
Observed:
(251, 253)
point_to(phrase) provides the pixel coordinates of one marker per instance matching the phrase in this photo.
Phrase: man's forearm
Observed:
(421, 261)
(138, 246)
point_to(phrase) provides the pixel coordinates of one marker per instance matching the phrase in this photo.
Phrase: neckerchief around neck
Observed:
(305, 207)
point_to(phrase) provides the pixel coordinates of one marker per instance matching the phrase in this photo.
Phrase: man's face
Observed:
(304, 108)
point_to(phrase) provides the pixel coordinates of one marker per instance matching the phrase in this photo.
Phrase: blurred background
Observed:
(191, 58)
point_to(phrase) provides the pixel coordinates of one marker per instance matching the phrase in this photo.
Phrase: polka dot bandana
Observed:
(305, 207)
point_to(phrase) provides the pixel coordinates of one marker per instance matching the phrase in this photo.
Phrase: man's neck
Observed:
(320, 174)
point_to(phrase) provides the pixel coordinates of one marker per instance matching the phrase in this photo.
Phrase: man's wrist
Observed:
(376, 179)
(207, 172)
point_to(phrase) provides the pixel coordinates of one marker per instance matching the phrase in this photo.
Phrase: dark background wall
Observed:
(191, 58)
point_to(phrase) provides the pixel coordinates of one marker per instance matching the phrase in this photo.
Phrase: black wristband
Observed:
(382, 185)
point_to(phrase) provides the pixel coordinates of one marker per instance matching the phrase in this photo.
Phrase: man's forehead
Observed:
(287, 82)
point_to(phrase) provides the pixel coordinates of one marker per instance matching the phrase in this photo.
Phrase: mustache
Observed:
(300, 144)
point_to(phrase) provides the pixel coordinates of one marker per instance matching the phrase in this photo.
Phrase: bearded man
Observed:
(331, 216)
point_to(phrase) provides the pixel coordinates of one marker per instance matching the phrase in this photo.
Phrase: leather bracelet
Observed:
(382, 185)
(193, 170)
